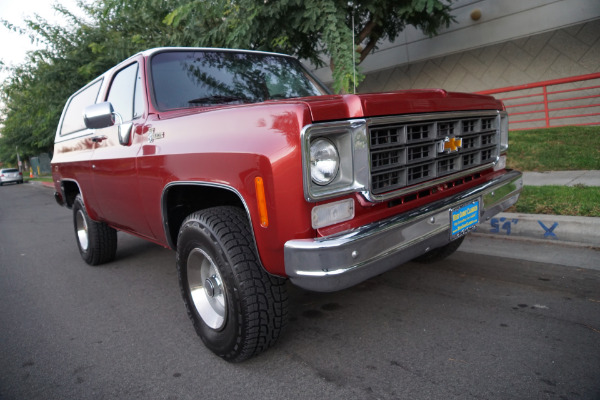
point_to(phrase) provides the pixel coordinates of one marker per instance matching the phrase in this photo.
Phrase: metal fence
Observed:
(554, 103)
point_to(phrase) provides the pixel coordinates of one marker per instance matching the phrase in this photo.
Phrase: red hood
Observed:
(341, 107)
(338, 107)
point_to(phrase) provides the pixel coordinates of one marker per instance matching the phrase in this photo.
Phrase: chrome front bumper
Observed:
(339, 261)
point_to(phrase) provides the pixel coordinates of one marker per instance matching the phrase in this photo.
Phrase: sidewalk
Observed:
(567, 229)
(562, 178)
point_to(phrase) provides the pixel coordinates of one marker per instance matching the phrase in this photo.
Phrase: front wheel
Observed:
(97, 242)
(237, 309)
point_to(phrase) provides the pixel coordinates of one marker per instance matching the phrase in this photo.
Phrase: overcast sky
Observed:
(14, 46)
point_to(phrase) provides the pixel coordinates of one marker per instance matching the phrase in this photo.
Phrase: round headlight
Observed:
(324, 161)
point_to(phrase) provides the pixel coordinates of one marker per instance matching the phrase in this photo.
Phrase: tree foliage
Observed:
(310, 30)
(75, 53)
(110, 31)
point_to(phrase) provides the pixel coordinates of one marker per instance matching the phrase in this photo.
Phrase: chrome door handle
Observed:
(98, 139)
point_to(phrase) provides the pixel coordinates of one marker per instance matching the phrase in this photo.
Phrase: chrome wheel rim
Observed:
(82, 230)
(206, 289)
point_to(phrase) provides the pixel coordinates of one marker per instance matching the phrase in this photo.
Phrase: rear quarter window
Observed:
(73, 119)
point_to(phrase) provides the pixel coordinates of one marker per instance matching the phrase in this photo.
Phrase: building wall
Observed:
(565, 52)
(513, 42)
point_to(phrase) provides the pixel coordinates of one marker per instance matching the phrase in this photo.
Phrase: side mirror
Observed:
(99, 116)
(103, 115)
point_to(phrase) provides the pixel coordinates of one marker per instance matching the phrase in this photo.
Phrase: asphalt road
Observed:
(473, 327)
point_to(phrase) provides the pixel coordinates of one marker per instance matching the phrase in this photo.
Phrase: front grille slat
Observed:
(420, 153)
(419, 133)
(419, 173)
(406, 154)
(390, 136)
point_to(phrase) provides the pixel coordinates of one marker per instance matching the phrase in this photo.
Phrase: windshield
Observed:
(204, 78)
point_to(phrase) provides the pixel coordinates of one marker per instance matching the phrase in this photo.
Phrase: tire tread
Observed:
(102, 238)
(263, 297)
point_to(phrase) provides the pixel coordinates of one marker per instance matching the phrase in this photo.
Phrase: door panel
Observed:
(114, 165)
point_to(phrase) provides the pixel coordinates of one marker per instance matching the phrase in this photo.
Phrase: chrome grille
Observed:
(407, 152)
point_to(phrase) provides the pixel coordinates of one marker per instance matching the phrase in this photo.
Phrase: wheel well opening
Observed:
(182, 200)
(70, 190)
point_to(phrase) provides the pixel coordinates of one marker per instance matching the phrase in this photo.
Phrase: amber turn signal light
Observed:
(261, 201)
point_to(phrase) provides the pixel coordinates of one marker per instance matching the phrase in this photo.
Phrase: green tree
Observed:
(307, 29)
(112, 30)
(36, 91)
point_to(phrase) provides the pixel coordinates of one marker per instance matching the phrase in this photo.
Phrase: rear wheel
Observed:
(97, 242)
(440, 253)
(237, 309)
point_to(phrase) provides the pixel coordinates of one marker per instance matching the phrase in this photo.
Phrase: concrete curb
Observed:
(41, 183)
(582, 230)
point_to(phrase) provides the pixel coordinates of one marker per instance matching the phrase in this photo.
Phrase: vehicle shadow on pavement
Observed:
(132, 250)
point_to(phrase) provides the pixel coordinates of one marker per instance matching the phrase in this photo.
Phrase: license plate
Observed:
(463, 219)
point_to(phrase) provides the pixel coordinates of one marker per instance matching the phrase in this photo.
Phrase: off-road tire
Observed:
(254, 311)
(96, 241)
(440, 253)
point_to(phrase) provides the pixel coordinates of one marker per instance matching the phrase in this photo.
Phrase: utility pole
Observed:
(18, 158)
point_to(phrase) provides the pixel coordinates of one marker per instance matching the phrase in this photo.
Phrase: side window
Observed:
(73, 120)
(122, 90)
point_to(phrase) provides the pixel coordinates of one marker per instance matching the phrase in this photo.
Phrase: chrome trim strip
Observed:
(163, 205)
(354, 167)
(339, 261)
(64, 195)
(155, 50)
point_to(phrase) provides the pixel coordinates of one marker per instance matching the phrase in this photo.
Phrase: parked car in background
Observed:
(9, 175)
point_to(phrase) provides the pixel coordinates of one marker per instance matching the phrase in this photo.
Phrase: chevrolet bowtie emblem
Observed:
(449, 145)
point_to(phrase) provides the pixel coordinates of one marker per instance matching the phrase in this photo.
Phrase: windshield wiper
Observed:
(216, 99)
